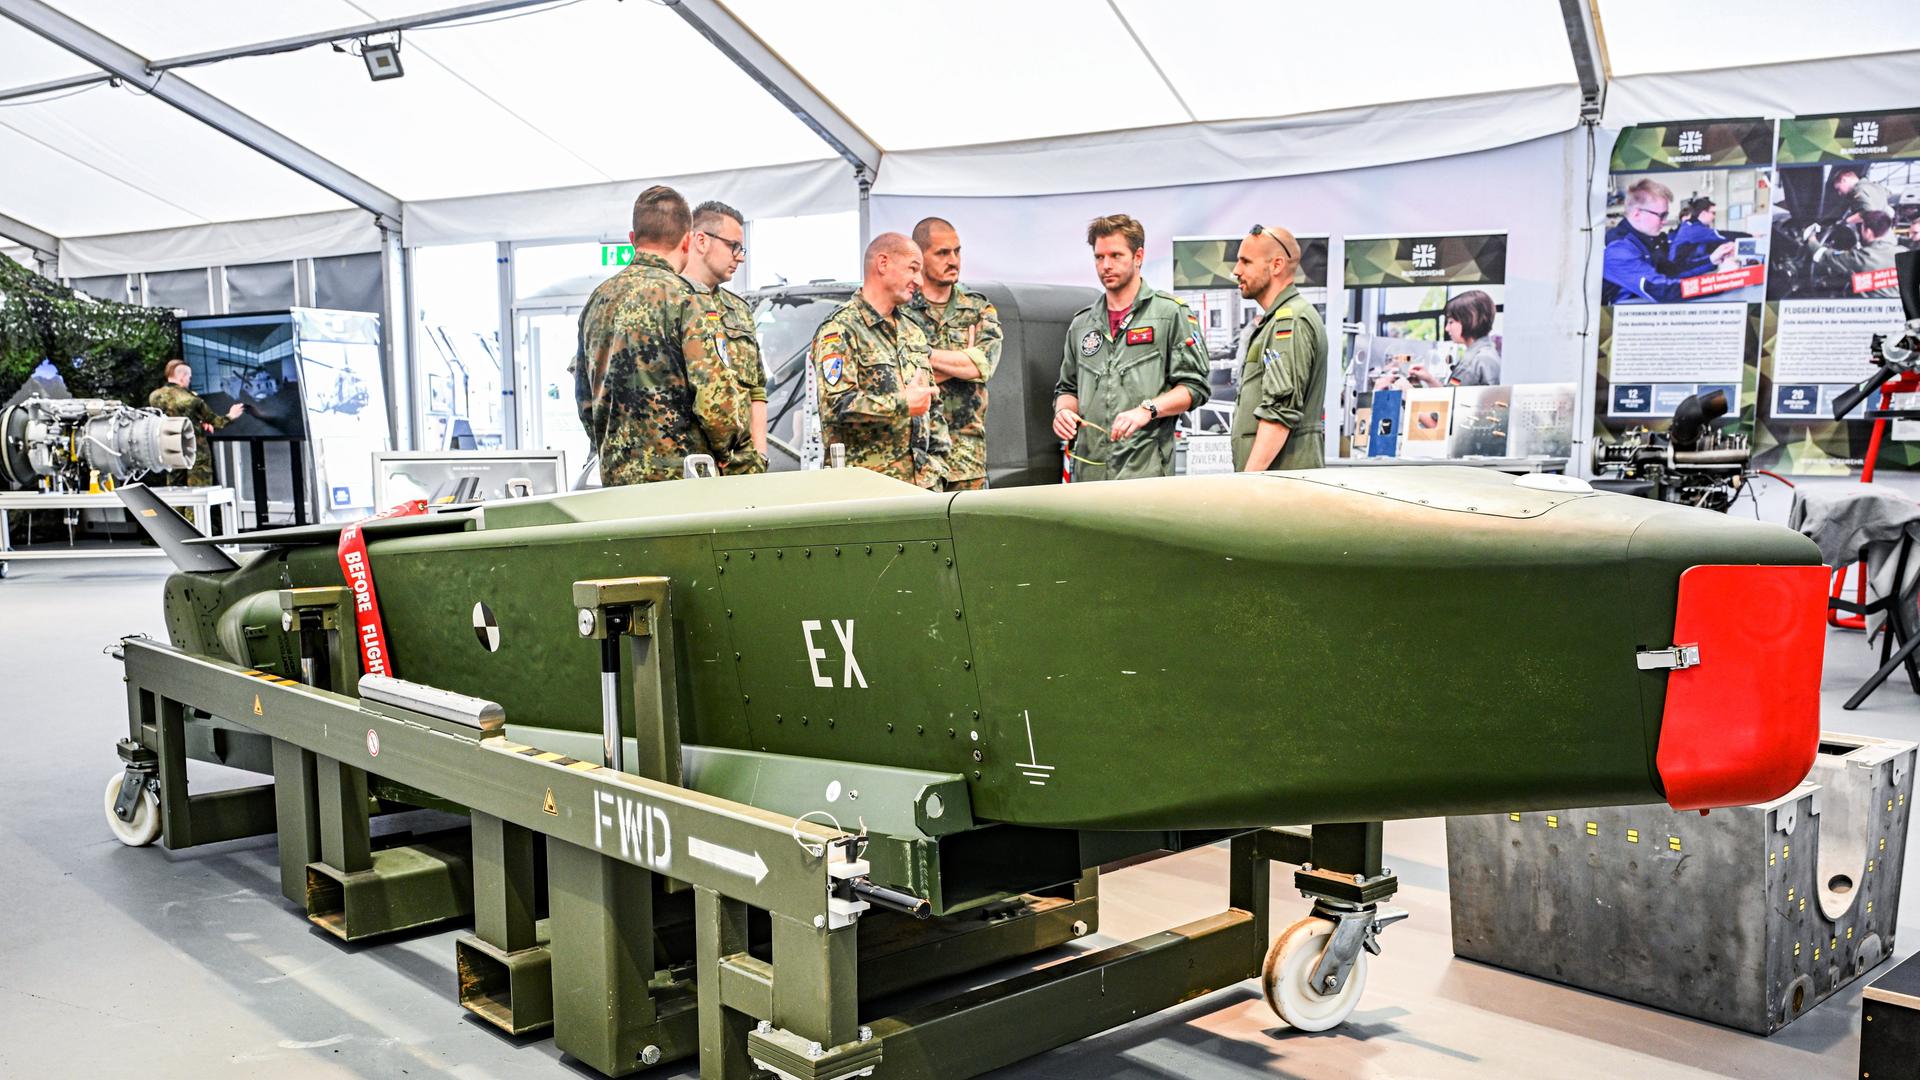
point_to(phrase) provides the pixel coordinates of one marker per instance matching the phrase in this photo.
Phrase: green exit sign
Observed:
(616, 254)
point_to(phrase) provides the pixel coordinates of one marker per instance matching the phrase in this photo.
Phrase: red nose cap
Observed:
(1743, 724)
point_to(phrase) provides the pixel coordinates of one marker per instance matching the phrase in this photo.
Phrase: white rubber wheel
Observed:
(144, 829)
(1289, 968)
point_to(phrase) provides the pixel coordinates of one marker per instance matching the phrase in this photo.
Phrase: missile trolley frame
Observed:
(680, 919)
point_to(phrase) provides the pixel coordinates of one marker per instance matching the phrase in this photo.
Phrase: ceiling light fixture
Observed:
(383, 60)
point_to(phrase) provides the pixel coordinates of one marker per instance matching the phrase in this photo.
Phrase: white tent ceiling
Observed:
(595, 92)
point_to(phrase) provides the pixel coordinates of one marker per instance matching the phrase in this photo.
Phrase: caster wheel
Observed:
(144, 829)
(1289, 968)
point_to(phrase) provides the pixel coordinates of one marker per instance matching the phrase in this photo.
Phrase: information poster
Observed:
(1203, 277)
(1846, 202)
(1425, 314)
(1683, 271)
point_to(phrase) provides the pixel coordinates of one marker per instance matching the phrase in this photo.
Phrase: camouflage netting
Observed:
(102, 349)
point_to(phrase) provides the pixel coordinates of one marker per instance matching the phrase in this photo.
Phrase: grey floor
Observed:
(192, 965)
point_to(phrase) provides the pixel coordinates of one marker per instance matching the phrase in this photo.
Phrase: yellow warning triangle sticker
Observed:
(548, 804)
(257, 710)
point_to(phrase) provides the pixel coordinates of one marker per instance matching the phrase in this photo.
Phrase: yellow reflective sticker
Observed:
(1633, 836)
(1553, 821)
(1513, 817)
(1593, 828)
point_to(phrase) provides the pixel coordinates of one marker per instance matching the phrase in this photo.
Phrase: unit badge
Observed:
(1089, 343)
(833, 369)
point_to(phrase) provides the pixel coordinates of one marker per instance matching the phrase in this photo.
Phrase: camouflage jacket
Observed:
(732, 319)
(179, 401)
(652, 379)
(1157, 349)
(863, 362)
(1283, 379)
(967, 323)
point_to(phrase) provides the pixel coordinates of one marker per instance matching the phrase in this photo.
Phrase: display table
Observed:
(203, 499)
(1499, 464)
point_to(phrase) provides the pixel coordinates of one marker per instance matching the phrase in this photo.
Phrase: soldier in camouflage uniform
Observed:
(174, 399)
(877, 396)
(715, 250)
(652, 378)
(964, 331)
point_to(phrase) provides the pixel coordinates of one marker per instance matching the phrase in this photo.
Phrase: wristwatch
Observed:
(1153, 411)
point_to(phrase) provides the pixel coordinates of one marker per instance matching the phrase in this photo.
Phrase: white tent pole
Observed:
(766, 67)
(264, 48)
(395, 317)
(1589, 47)
(45, 245)
(120, 61)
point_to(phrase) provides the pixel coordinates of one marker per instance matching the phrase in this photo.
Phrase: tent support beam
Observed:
(728, 34)
(124, 63)
(1589, 47)
(45, 245)
(264, 48)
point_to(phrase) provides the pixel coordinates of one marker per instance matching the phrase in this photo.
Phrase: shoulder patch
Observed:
(1283, 313)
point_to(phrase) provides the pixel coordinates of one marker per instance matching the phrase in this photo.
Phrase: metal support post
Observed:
(296, 809)
(346, 829)
(1250, 887)
(815, 993)
(601, 915)
(634, 615)
(720, 933)
(504, 968)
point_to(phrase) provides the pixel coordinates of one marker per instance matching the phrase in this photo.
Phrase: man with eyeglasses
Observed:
(1133, 361)
(1278, 419)
(1635, 268)
(651, 378)
(964, 331)
(715, 249)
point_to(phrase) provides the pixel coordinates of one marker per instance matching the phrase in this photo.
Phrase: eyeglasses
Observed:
(1277, 238)
(736, 247)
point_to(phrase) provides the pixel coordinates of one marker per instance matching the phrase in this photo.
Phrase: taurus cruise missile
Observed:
(1220, 652)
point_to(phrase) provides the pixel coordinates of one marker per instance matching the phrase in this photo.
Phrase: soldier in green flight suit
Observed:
(964, 331)
(1132, 363)
(715, 249)
(651, 377)
(1278, 418)
(876, 392)
(174, 399)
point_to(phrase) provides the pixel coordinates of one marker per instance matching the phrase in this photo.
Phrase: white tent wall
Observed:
(1532, 191)
(602, 211)
(1800, 88)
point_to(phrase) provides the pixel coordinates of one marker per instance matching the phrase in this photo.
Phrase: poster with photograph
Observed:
(1425, 312)
(1847, 201)
(1684, 270)
(1203, 277)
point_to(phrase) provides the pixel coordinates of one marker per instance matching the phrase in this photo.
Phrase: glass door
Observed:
(545, 340)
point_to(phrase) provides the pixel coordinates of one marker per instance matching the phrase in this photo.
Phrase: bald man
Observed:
(1278, 422)
(873, 373)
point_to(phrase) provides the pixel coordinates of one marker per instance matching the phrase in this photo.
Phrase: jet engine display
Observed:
(56, 444)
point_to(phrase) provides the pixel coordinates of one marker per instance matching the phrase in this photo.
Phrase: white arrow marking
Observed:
(738, 862)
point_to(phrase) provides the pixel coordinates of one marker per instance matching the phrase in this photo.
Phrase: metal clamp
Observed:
(1354, 928)
(1678, 658)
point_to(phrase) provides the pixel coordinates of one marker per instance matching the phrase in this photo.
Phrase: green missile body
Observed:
(1189, 653)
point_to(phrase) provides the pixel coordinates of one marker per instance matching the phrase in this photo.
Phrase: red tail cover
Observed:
(1743, 726)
